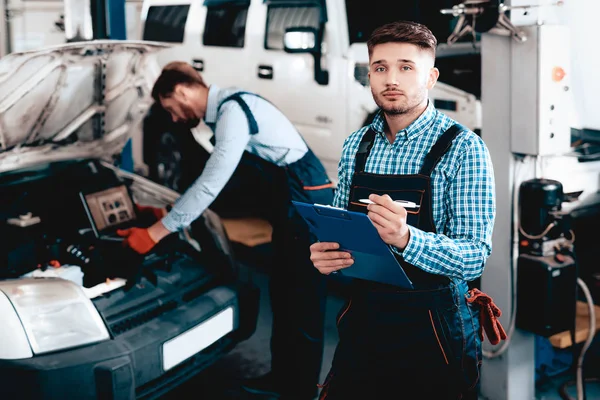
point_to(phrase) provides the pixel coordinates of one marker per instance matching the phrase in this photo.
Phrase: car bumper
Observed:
(138, 364)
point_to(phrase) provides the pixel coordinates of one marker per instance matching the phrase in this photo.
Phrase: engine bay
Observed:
(67, 214)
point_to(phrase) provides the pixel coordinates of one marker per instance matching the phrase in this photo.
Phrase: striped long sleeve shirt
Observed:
(463, 192)
(277, 141)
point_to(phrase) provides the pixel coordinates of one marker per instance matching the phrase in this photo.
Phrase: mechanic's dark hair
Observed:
(403, 32)
(173, 74)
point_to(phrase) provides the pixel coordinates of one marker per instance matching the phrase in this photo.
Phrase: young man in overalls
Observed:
(422, 343)
(245, 122)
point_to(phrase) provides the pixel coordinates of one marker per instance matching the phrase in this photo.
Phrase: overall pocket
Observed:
(342, 313)
(461, 331)
(309, 182)
(413, 195)
(473, 354)
(441, 336)
(325, 386)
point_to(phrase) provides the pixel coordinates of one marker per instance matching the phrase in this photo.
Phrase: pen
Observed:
(403, 203)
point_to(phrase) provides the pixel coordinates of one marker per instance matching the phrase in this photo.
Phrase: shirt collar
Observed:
(416, 128)
(212, 104)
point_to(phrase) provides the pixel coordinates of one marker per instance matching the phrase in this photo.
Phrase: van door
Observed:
(318, 109)
(215, 43)
(220, 34)
(165, 21)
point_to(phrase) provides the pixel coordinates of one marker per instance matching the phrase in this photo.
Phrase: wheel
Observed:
(167, 167)
(174, 158)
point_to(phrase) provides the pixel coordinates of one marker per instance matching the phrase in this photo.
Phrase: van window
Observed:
(281, 18)
(166, 23)
(225, 25)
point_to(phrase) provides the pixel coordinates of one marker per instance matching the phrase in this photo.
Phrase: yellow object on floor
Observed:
(250, 232)
(562, 340)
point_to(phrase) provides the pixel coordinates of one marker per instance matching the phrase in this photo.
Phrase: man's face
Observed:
(400, 75)
(182, 107)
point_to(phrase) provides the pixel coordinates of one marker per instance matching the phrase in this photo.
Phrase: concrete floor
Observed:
(252, 357)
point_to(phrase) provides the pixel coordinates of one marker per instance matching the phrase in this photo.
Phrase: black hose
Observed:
(562, 390)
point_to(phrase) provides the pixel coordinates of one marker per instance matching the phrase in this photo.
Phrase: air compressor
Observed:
(546, 268)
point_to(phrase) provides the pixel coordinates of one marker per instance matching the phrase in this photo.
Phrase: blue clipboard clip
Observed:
(356, 234)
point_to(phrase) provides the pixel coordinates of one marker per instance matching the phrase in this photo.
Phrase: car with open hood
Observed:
(82, 315)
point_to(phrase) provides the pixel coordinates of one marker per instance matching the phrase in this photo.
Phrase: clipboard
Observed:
(356, 234)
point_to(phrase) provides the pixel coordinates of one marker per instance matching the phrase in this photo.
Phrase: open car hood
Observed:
(77, 100)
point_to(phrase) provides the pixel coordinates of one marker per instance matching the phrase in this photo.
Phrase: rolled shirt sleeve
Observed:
(462, 249)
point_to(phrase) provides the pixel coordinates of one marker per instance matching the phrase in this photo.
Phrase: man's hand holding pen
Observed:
(389, 218)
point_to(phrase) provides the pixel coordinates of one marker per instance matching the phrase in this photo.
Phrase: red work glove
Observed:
(489, 314)
(137, 238)
(157, 213)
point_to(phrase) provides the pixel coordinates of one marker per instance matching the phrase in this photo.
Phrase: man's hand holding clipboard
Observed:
(388, 217)
(327, 258)
(357, 245)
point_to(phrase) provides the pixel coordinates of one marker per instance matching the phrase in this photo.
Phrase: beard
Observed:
(403, 105)
(190, 123)
(191, 120)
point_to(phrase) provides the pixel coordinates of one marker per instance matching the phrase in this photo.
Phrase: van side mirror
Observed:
(306, 39)
(300, 40)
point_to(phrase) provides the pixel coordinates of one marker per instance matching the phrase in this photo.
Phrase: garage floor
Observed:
(251, 358)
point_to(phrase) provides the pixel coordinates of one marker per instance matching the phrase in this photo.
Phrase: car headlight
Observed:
(55, 313)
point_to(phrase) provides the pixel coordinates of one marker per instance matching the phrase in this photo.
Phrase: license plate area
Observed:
(196, 339)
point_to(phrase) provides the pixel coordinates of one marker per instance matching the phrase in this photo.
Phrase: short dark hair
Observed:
(403, 32)
(173, 74)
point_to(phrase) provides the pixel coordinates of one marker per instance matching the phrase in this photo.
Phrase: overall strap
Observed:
(251, 120)
(237, 97)
(440, 148)
(364, 148)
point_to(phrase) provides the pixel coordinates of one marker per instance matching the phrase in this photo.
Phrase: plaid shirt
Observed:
(463, 193)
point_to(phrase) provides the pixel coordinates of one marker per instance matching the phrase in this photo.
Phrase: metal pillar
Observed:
(524, 120)
(110, 23)
(117, 30)
(511, 375)
(115, 20)
(108, 18)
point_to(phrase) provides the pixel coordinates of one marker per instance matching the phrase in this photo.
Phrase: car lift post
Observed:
(108, 19)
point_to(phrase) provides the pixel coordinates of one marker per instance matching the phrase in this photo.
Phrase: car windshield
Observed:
(365, 16)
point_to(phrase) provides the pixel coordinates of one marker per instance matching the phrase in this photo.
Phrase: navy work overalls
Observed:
(297, 289)
(405, 344)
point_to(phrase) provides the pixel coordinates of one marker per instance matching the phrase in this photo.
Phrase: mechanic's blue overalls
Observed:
(297, 289)
(405, 344)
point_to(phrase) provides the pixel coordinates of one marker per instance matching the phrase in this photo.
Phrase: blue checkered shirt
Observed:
(463, 193)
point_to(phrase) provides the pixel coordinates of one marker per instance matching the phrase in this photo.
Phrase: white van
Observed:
(308, 57)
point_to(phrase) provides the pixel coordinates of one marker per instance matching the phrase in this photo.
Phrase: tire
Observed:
(172, 161)
(173, 156)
